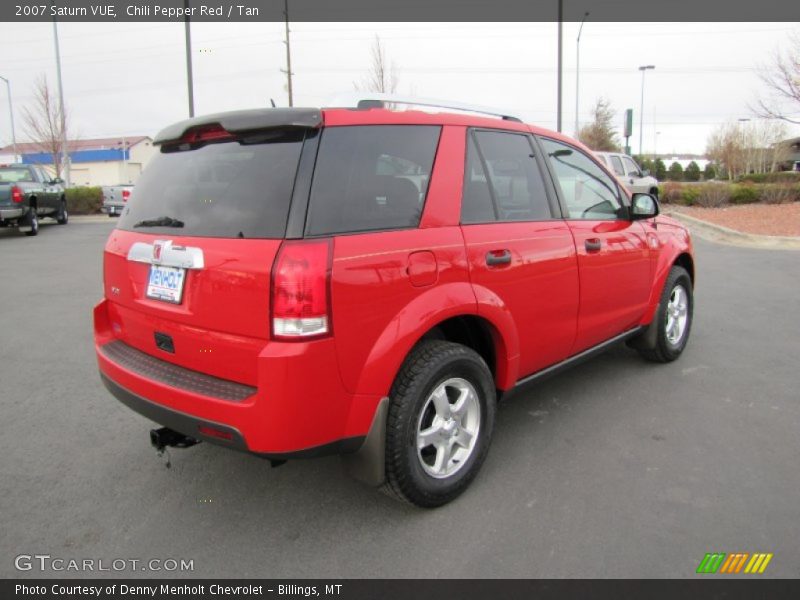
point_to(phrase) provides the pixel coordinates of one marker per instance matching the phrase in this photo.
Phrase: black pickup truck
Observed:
(26, 194)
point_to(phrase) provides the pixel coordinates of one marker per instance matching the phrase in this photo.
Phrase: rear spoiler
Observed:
(245, 120)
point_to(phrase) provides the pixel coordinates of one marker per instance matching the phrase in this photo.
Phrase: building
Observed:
(792, 157)
(101, 161)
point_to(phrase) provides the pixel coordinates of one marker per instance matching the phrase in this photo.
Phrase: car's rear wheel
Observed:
(673, 318)
(439, 427)
(62, 217)
(32, 221)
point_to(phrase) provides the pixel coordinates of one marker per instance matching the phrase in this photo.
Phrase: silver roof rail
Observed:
(380, 100)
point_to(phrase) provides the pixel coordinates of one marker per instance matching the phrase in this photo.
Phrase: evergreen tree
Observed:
(675, 172)
(692, 172)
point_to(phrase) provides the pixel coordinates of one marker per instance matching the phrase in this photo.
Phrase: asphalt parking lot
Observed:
(618, 468)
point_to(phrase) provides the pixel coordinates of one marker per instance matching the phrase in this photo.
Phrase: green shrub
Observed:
(777, 193)
(752, 178)
(743, 194)
(670, 193)
(84, 200)
(710, 172)
(777, 177)
(689, 194)
(713, 195)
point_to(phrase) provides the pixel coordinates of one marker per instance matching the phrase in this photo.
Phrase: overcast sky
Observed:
(130, 78)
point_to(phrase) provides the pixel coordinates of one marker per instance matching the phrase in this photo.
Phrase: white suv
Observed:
(631, 175)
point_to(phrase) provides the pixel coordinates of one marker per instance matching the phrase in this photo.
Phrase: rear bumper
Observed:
(191, 426)
(298, 408)
(11, 213)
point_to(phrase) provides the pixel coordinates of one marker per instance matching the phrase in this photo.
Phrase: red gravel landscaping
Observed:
(761, 219)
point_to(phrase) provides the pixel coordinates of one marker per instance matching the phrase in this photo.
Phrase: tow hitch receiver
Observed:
(164, 438)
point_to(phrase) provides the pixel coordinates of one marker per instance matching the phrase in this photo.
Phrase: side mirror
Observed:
(646, 173)
(643, 206)
(56, 180)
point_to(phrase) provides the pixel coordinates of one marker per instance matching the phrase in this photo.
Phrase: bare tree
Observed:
(44, 124)
(762, 147)
(752, 147)
(724, 147)
(782, 78)
(382, 76)
(600, 135)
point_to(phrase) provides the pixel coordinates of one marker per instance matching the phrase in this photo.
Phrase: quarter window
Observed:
(371, 178)
(588, 191)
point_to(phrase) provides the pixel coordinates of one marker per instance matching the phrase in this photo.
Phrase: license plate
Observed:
(166, 283)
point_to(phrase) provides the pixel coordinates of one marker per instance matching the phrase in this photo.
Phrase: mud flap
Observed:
(368, 465)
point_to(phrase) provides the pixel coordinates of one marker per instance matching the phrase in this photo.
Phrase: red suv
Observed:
(369, 282)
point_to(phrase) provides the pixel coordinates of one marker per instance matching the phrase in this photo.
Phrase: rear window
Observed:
(371, 178)
(13, 175)
(229, 189)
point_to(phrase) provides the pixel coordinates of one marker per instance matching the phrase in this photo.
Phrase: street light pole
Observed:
(288, 54)
(11, 112)
(578, 72)
(641, 107)
(189, 77)
(560, 69)
(64, 149)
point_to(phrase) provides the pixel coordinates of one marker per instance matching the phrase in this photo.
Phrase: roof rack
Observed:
(380, 100)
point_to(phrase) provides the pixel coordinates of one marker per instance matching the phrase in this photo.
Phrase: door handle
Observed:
(498, 257)
(593, 245)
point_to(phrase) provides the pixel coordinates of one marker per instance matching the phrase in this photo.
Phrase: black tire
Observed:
(664, 349)
(32, 222)
(429, 366)
(62, 216)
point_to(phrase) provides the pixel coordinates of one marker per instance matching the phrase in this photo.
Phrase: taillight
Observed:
(214, 432)
(206, 133)
(300, 290)
(125, 195)
(16, 194)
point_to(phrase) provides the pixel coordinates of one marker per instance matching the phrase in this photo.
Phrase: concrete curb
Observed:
(725, 235)
(91, 219)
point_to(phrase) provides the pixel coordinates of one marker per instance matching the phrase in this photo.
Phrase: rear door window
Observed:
(502, 180)
(617, 164)
(631, 167)
(371, 178)
(231, 189)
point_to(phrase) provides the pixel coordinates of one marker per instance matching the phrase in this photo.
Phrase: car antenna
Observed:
(271, 101)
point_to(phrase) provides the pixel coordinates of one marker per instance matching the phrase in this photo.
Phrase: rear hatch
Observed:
(187, 271)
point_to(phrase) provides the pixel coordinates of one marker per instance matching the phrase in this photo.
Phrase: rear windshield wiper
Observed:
(160, 222)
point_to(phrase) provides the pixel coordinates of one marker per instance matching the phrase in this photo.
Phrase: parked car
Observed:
(27, 193)
(632, 176)
(115, 198)
(295, 282)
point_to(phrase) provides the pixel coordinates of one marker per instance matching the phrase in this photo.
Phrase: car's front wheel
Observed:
(673, 318)
(439, 427)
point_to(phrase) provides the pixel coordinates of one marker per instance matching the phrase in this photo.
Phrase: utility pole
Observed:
(641, 107)
(189, 80)
(11, 112)
(578, 72)
(288, 70)
(560, 66)
(64, 149)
